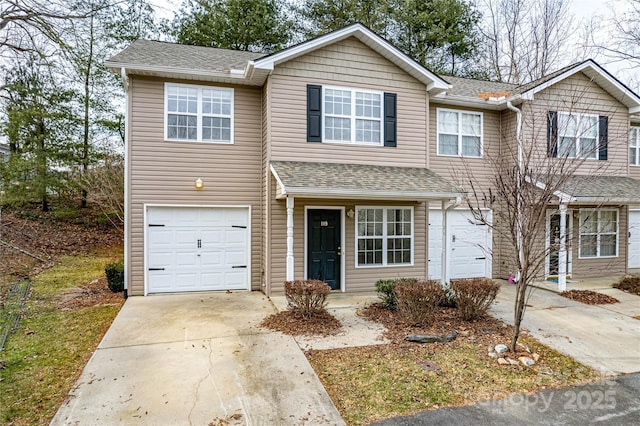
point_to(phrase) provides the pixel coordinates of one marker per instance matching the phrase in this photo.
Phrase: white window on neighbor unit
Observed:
(198, 113)
(577, 135)
(634, 146)
(352, 116)
(384, 236)
(598, 233)
(459, 133)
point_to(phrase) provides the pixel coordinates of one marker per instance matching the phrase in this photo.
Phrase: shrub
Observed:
(307, 297)
(115, 276)
(474, 296)
(417, 300)
(630, 284)
(386, 291)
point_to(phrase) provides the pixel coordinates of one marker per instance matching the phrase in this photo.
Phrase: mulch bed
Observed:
(589, 297)
(295, 324)
(94, 293)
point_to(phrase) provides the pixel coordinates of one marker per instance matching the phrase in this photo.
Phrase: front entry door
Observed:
(553, 234)
(324, 246)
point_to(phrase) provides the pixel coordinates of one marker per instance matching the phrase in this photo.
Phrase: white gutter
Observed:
(125, 84)
(518, 186)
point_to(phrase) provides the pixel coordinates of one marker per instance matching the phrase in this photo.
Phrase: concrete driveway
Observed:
(604, 337)
(197, 359)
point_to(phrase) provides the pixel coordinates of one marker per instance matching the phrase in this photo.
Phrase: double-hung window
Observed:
(577, 135)
(634, 146)
(459, 133)
(598, 233)
(384, 236)
(352, 116)
(198, 113)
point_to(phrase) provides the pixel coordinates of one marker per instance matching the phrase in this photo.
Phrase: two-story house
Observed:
(336, 159)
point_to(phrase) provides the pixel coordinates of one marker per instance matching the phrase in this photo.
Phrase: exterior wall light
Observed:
(351, 214)
(199, 183)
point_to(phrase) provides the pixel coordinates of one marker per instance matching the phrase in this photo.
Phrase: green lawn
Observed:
(45, 356)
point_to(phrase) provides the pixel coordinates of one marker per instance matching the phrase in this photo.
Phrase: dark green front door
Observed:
(324, 246)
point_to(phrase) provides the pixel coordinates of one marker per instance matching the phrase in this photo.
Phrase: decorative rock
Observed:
(501, 348)
(513, 361)
(526, 361)
(493, 355)
(423, 338)
(535, 356)
(503, 361)
(464, 333)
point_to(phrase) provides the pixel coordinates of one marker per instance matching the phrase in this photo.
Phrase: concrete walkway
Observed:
(605, 337)
(197, 359)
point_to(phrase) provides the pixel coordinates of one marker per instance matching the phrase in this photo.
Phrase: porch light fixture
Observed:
(199, 183)
(351, 214)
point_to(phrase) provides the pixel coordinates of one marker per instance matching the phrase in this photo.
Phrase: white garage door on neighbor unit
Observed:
(197, 249)
(634, 239)
(469, 246)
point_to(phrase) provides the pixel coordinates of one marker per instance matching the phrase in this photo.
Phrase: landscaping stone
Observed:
(526, 361)
(513, 361)
(503, 361)
(535, 356)
(424, 338)
(501, 348)
(493, 355)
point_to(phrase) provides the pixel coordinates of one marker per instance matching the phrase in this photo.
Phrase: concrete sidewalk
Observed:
(197, 359)
(604, 337)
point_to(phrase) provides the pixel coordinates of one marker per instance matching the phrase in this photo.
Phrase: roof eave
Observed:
(475, 102)
(364, 194)
(186, 73)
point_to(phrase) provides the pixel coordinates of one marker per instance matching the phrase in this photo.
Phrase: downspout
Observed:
(444, 274)
(125, 85)
(518, 186)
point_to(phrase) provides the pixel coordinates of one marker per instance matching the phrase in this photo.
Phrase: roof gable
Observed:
(434, 83)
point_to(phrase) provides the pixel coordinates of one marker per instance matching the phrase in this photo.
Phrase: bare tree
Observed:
(524, 40)
(541, 153)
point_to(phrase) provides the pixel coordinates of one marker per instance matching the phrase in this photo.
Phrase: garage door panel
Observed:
(198, 248)
(469, 245)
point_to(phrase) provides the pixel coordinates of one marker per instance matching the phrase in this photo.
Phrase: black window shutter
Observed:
(603, 132)
(390, 120)
(314, 113)
(552, 134)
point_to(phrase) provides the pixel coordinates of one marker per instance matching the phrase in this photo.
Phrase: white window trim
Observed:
(460, 111)
(635, 145)
(199, 113)
(353, 116)
(579, 153)
(598, 211)
(385, 237)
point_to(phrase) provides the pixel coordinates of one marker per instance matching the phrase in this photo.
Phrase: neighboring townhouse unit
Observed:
(338, 159)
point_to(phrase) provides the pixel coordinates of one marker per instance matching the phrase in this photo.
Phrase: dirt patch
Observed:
(293, 323)
(589, 297)
(95, 293)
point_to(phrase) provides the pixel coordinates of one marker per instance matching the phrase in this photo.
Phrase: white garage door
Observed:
(469, 246)
(197, 249)
(634, 239)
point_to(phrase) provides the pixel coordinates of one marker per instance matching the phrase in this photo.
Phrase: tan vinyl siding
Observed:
(351, 64)
(461, 169)
(578, 94)
(356, 279)
(598, 267)
(164, 172)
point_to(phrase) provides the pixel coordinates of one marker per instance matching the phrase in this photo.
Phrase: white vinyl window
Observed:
(384, 236)
(634, 146)
(577, 135)
(352, 116)
(198, 113)
(459, 133)
(598, 233)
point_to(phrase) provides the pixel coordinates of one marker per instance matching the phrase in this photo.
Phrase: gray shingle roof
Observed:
(172, 55)
(471, 87)
(361, 181)
(604, 189)
(527, 86)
